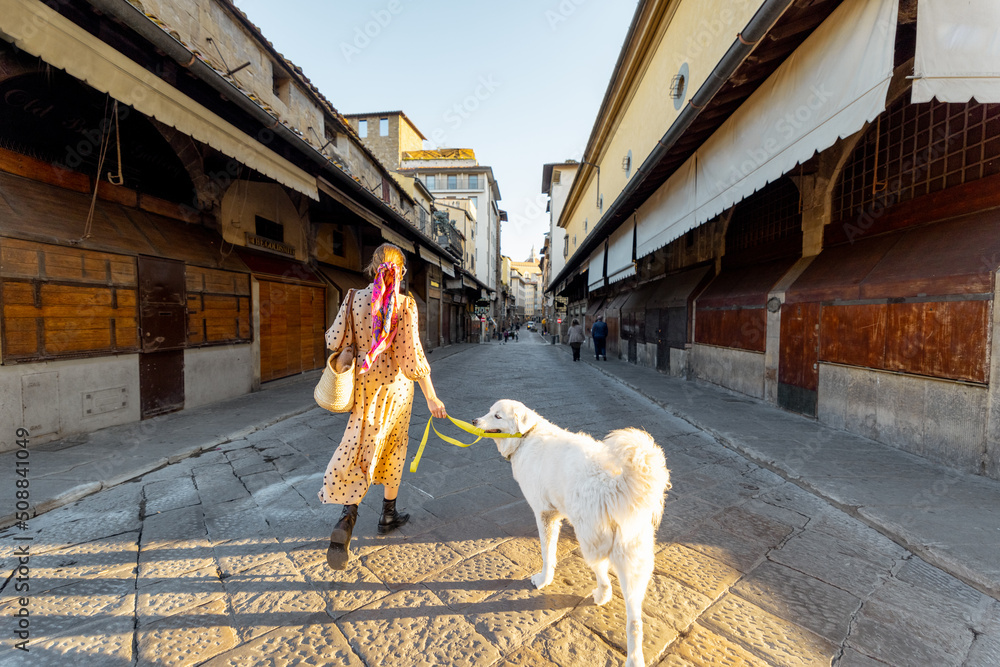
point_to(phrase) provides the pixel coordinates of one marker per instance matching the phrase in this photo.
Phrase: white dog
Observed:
(612, 493)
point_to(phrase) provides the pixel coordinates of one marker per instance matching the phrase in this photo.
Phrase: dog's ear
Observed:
(524, 418)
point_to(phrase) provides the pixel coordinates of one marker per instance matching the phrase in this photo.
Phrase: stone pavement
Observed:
(218, 559)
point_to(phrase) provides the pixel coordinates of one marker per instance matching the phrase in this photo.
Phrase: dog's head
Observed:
(507, 416)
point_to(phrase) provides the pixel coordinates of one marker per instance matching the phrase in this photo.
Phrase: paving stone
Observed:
(704, 648)
(170, 495)
(569, 642)
(780, 641)
(940, 584)
(525, 657)
(848, 565)
(318, 643)
(527, 551)
(105, 641)
(265, 485)
(176, 561)
(403, 565)
(441, 483)
(782, 514)
(897, 612)
(705, 574)
(237, 556)
(684, 512)
(63, 528)
(475, 579)
(344, 590)
(673, 660)
(852, 658)
(513, 616)
(79, 608)
(414, 627)
(674, 602)
(720, 544)
(609, 622)
(177, 596)
(469, 503)
(166, 528)
(470, 537)
(261, 601)
(751, 526)
(800, 599)
(88, 559)
(237, 526)
(187, 639)
(515, 519)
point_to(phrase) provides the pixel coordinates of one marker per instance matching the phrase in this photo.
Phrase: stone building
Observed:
(797, 201)
(181, 213)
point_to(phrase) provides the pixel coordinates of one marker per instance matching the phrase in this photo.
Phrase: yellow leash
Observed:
(465, 426)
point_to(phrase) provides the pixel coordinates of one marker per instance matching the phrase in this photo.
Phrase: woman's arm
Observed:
(434, 404)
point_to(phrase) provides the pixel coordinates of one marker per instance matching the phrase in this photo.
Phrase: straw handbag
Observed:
(335, 391)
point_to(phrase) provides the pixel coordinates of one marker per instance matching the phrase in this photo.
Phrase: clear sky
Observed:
(520, 81)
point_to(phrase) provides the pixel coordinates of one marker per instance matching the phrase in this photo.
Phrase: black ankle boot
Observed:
(337, 553)
(391, 519)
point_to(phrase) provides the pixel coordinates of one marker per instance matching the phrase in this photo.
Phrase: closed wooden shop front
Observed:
(292, 308)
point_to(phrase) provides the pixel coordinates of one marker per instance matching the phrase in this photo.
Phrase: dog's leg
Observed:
(634, 566)
(549, 523)
(602, 594)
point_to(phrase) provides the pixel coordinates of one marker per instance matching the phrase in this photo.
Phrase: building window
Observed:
(473, 181)
(269, 229)
(452, 182)
(281, 83)
(338, 243)
(383, 127)
(362, 128)
(555, 176)
(586, 221)
(565, 246)
(431, 182)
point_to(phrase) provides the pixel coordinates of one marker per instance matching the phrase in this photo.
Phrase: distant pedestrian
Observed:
(600, 334)
(388, 359)
(576, 338)
(506, 335)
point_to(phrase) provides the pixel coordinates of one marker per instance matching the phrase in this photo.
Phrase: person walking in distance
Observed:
(576, 338)
(388, 359)
(600, 334)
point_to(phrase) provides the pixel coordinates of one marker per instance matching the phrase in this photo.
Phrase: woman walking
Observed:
(576, 338)
(388, 359)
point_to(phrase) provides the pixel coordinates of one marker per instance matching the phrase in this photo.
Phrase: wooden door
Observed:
(292, 324)
(798, 362)
(162, 334)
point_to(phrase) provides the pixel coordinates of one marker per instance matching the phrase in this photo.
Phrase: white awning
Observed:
(429, 257)
(620, 264)
(827, 89)
(448, 269)
(397, 239)
(595, 270)
(669, 213)
(958, 51)
(44, 33)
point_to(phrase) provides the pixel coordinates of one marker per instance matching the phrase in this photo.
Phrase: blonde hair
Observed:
(386, 253)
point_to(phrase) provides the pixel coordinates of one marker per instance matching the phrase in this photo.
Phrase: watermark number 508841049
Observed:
(22, 550)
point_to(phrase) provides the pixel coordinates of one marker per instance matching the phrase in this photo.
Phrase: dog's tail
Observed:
(645, 478)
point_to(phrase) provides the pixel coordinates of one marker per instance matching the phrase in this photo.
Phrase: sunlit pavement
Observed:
(219, 559)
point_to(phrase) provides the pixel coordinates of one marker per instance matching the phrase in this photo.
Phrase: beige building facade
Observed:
(787, 200)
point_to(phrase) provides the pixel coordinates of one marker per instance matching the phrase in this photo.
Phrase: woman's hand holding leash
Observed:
(434, 403)
(436, 407)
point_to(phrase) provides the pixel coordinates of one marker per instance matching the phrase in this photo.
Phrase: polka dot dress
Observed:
(373, 449)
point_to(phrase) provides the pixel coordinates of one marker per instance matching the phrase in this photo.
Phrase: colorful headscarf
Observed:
(384, 316)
